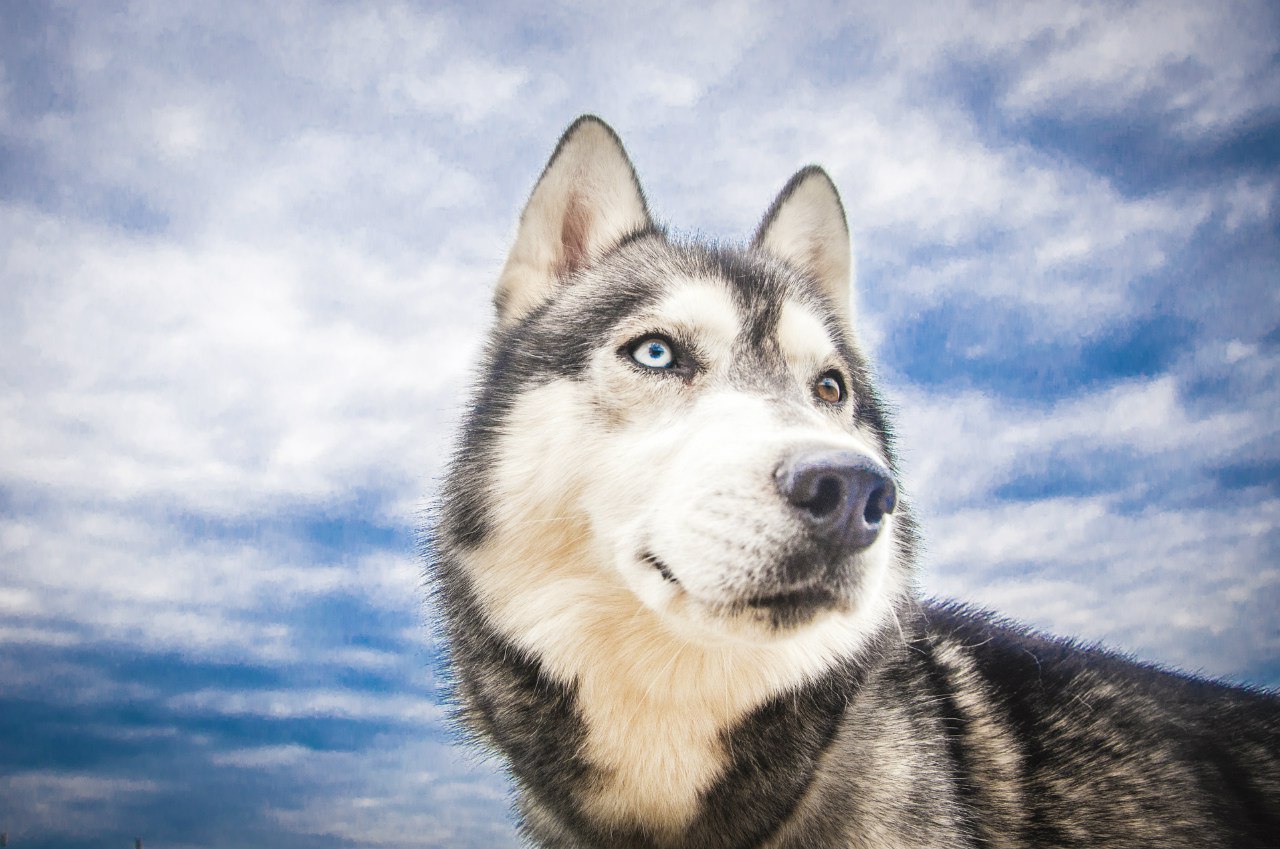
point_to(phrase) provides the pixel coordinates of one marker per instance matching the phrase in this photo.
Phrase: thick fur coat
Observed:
(677, 576)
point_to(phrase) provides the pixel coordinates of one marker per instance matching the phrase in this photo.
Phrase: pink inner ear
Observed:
(573, 235)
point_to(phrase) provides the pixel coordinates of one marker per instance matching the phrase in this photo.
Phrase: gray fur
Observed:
(946, 728)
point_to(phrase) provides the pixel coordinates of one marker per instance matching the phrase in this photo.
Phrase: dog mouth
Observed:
(791, 608)
(784, 606)
(662, 569)
(797, 599)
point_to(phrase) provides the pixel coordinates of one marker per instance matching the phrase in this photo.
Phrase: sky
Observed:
(246, 260)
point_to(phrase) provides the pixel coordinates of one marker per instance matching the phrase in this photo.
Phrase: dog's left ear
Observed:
(586, 201)
(806, 227)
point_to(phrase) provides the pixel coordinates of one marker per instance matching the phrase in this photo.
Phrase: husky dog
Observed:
(678, 583)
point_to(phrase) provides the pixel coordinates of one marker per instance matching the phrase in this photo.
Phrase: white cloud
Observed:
(181, 132)
(300, 703)
(1180, 586)
(961, 446)
(471, 91)
(88, 577)
(1183, 578)
(409, 794)
(393, 793)
(1249, 200)
(916, 183)
(223, 378)
(1206, 67)
(647, 66)
(74, 682)
(262, 757)
(37, 801)
(1201, 67)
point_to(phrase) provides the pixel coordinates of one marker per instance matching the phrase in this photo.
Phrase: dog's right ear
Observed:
(586, 201)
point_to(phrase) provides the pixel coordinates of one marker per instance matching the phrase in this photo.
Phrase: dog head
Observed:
(690, 425)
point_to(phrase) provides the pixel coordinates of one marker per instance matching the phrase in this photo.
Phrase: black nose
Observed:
(843, 495)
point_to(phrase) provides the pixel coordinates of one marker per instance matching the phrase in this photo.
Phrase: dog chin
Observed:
(761, 616)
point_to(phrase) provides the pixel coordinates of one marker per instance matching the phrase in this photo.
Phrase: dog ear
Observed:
(586, 201)
(806, 227)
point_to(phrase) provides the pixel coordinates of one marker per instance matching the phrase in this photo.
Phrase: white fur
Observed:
(696, 309)
(803, 336)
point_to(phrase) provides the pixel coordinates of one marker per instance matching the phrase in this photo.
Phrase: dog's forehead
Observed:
(802, 334)
(700, 305)
(724, 314)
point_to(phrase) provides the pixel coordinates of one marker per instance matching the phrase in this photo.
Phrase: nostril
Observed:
(827, 497)
(880, 502)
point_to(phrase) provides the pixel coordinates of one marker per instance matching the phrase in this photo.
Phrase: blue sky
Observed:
(245, 264)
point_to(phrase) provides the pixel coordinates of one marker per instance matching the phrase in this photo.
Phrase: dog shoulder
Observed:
(1065, 719)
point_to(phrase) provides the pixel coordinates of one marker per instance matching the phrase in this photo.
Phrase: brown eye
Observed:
(829, 388)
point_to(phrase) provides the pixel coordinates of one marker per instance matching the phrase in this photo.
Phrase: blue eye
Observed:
(653, 352)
